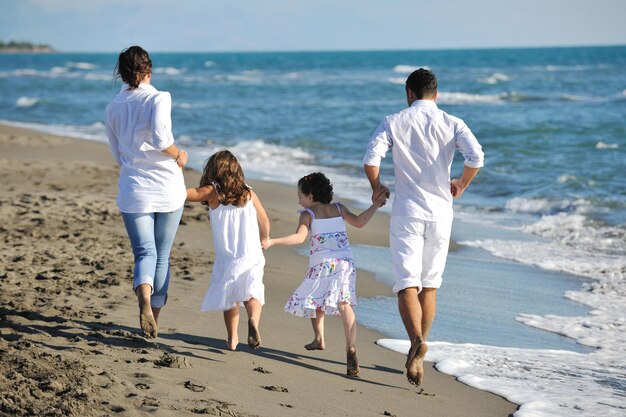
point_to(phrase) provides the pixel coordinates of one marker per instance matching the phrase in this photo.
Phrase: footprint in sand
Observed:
(260, 369)
(274, 388)
(422, 392)
(172, 361)
(150, 402)
(142, 386)
(194, 387)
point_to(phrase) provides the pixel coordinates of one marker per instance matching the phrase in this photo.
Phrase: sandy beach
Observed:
(69, 327)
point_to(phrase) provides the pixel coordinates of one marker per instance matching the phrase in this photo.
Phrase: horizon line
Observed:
(262, 51)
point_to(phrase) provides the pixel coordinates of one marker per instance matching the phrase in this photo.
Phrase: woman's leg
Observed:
(318, 329)
(140, 228)
(253, 308)
(165, 227)
(231, 319)
(349, 327)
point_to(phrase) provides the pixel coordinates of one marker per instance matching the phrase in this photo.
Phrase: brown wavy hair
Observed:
(223, 171)
(133, 65)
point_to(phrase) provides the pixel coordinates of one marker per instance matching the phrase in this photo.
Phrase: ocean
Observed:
(532, 307)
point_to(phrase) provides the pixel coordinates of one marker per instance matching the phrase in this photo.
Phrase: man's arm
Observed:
(377, 148)
(373, 175)
(458, 186)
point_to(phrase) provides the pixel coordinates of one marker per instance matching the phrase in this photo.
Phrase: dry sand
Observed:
(69, 341)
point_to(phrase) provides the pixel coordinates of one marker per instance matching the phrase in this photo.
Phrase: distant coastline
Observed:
(28, 47)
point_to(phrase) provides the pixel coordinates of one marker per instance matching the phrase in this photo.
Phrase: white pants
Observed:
(419, 249)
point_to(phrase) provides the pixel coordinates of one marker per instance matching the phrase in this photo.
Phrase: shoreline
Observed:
(80, 175)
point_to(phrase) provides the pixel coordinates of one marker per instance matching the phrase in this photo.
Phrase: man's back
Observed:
(423, 140)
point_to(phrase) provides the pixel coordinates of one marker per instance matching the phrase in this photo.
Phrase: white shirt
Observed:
(139, 126)
(423, 140)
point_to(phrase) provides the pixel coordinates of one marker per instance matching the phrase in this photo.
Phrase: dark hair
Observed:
(318, 186)
(223, 171)
(133, 65)
(423, 83)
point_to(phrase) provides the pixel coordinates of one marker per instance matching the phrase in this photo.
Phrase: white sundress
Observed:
(331, 275)
(238, 268)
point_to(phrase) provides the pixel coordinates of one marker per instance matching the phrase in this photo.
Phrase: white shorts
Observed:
(419, 249)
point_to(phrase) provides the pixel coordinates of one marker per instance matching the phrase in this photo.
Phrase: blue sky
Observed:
(288, 25)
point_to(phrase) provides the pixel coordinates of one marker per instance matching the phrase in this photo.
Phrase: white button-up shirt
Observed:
(423, 140)
(139, 126)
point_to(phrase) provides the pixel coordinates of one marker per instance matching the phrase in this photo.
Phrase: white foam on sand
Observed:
(545, 383)
(555, 235)
(563, 238)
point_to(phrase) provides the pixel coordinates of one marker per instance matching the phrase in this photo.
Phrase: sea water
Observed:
(532, 305)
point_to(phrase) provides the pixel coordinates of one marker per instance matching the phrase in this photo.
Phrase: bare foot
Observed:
(415, 363)
(353, 363)
(254, 337)
(315, 345)
(146, 320)
(231, 344)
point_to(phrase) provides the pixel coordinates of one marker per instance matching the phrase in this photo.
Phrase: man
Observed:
(423, 140)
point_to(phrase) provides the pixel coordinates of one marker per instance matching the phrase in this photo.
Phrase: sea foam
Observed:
(546, 383)
(27, 101)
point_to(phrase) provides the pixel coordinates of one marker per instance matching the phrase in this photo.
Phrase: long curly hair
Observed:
(318, 186)
(133, 65)
(223, 171)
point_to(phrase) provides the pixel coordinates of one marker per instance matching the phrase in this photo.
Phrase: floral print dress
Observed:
(331, 275)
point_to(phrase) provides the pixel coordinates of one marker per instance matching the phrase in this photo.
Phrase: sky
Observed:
(297, 25)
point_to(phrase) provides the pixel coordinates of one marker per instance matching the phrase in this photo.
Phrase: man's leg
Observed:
(411, 313)
(412, 317)
(436, 244)
(407, 243)
(428, 302)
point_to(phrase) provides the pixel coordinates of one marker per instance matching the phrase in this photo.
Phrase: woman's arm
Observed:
(295, 238)
(162, 136)
(261, 217)
(180, 156)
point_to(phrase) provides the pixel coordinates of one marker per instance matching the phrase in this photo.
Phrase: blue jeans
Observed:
(151, 237)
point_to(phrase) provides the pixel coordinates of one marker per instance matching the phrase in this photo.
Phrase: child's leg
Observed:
(349, 327)
(253, 308)
(231, 319)
(318, 329)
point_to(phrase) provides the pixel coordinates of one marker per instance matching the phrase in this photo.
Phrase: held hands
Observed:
(380, 195)
(181, 158)
(457, 188)
(267, 243)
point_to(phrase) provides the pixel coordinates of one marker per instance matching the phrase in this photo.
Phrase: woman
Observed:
(151, 184)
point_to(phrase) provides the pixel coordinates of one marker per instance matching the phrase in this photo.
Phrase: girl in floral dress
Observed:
(329, 285)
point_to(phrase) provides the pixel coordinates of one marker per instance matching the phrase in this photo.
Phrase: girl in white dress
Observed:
(238, 225)
(329, 284)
